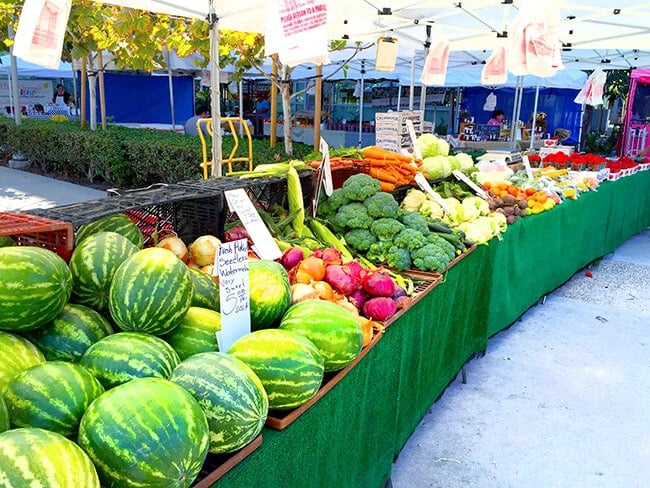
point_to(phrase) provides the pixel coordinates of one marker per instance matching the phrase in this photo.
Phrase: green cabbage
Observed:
(436, 167)
(465, 160)
(431, 145)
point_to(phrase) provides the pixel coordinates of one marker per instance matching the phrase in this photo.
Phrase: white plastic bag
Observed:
(535, 39)
(495, 70)
(434, 71)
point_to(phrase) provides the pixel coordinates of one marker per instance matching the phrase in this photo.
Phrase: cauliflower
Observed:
(413, 200)
(415, 221)
(410, 239)
(381, 204)
(359, 239)
(431, 145)
(352, 216)
(360, 186)
(432, 209)
(398, 258)
(436, 167)
(430, 258)
(386, 228)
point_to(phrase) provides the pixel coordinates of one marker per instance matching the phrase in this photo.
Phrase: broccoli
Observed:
(447, 246)
(359, 239)
(415, 221)
(352, 216)
(398, 258)
(324, 208)
(360, 186)
(378, 251)
(337, 199)
(381, 204)
(409, 239)
(386, 228)
(430, 257)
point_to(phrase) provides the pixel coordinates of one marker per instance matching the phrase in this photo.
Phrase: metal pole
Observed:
(14, 79)
(411, 94)
(363, 71)
(171, 89)
(534, 123)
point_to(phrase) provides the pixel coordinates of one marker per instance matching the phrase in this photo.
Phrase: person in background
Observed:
(38, 108)
(262, 111)
(190, 125)
(61, 97)
(497, 117)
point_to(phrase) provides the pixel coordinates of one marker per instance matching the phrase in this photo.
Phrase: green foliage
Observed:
(598, 142)
(125, 157)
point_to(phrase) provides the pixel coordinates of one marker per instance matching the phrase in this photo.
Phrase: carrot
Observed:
(375, 152)
(386, 186)
(382, 175)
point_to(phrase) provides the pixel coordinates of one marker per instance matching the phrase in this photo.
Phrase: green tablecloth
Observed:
(350, 437)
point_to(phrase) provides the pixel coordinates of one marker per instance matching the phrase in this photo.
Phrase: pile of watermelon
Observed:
(111, 366)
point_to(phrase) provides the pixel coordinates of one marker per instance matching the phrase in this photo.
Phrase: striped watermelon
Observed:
(119, 223)
(17, 354)
(93, 264)
(52, 396)
(151, 292)
(4, 415)
(231, 395)
(145, 433)
(270, 292)
(288, 365)
(206, 290)
(35, 284)
(196, 333)
(73, 331)
(40, 458)
(124, 356)
(333, 329)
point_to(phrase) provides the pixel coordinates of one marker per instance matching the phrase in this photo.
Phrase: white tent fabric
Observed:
(34, 70)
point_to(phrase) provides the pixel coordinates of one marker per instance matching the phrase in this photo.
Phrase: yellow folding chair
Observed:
(204, 128)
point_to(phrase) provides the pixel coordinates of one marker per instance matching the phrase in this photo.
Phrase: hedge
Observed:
(121, 156)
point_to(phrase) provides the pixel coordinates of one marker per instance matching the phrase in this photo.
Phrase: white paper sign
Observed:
(416, 147)
(231, 265)
(529, 170)
(475, 188)
(326, 166)
(263, 243)
(426, 187)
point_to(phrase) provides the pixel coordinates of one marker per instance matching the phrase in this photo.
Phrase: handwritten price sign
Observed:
(234, 297)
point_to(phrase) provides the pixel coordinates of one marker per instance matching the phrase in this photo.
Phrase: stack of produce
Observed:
(437, 163)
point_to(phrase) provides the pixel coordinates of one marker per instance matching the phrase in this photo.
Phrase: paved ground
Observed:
(559, 400)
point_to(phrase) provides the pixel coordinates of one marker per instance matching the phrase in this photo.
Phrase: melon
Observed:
(119, 223)
(270, 292)
(196, 333)
(17, 354)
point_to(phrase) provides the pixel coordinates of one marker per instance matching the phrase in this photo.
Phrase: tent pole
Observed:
(273, 135)
(515, 114)
(534, 123)
(318, 101)
(399, 95)
(411, 94)
(363, 71)
(15, 92)
(171, 89)
(215, 91)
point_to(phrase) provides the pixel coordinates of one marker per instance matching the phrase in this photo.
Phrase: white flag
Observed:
(40, 33)
(297, 31)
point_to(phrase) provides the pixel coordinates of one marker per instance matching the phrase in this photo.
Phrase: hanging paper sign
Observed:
(40, 32)
(297, 31)
(426, 187)
(434, 71)
(231, 265)
(263, 243)
(473, 186)
(411, 131)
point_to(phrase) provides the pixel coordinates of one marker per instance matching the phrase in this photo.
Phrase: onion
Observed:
(380, 308)
(310, 269)
(176, 245)
(235, 233)
(379, 285)
(339, 276)
(301, 292)
(348, 306)
(324, 290)
(331, 255)
(358, 297)
(203, 249)
(291, 257)
(366, 330)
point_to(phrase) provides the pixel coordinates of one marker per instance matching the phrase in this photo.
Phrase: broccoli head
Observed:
(430, 257)
(446, 246)
(337, 199)
(359, 239)
(381, 204)
(352, 216)
(378, 251)
(360, 186)
(415, 221)
(386, 228)
(398, 258)
(409, 239)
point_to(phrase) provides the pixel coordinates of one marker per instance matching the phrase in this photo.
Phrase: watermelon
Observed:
(287, 363)
(151, 292)
(230, 394)
(270, 292)
(52, 396)
(93, 264)
(17, 354)
(206, 290)
(73, 331)
(6, 241)
(119, 223)
(334, 330)
(36, 283)
(147, 432)
(40, 458)
(196, 333)
(4, 415)
(124, 356)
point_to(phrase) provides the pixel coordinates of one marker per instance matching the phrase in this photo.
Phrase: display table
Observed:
(350, 437)
(520, 145)
(335, 138)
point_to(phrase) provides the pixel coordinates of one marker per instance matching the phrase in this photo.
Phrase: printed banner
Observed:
(40, 33)
(30, 91)
(297, 31)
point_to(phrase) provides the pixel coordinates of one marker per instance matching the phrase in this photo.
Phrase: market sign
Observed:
(30, 91)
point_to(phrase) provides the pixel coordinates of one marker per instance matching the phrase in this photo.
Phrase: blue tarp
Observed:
(557, 103)
(134, 98)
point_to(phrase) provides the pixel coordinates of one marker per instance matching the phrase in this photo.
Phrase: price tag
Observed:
(326, 167)
(426, 187)
(475, 188)
(529, 170)
(416, 149)
(231, 265)
(263, 243)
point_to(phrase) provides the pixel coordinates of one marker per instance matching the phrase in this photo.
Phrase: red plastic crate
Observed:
(31, 230)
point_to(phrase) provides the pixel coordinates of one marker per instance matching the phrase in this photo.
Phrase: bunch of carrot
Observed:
(390, 168)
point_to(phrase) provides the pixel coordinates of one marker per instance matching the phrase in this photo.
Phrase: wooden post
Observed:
(318, 101)
(83, 94)
(273, 136)
(102, 97)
